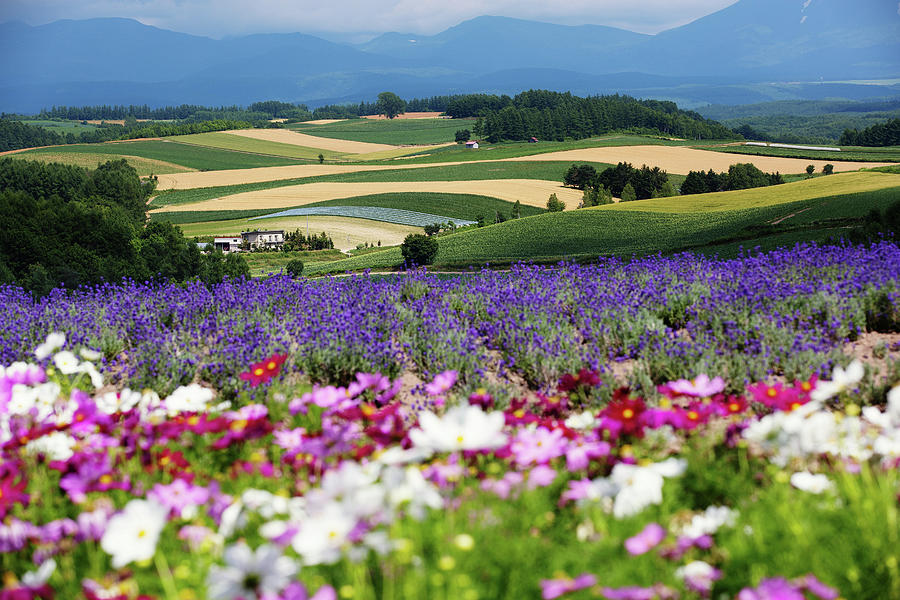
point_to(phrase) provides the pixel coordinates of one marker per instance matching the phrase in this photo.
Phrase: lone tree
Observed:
(463, 135)
(390, 104)
(828, 169)
(554, 204)
(418, 249)
(810, 170)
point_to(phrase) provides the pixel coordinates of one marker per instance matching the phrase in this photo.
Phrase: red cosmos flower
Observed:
(622, 416)
(12, 486)
(262, 372)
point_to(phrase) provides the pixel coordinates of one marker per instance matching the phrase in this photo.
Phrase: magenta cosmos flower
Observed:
(699, 387)
(646, 540)
(554, 588)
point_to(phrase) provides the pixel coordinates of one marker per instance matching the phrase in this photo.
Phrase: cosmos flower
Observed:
(247, 573)
(841, 381)
(264, 370)
(554, 588)
(699, 387)
(463, 427)
(132, 534)
(645, 541)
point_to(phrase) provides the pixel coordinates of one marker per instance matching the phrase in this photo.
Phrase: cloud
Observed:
(229, 17)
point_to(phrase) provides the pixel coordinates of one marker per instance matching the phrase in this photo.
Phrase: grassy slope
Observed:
(551, 171)
(453, 206)
(712, 223)
(410, 131)
(194, 157)
(241, 143)
(851, 153)
(143, 166)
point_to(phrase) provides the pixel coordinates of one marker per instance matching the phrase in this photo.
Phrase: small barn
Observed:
(227, 244)
(532, 140)
(471, 145)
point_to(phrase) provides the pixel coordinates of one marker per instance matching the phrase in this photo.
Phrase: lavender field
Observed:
(656, 428)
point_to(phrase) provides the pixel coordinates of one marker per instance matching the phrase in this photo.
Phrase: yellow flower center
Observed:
(258, 371)
(106, 479)
(193, 420)
(272, 365)
(238, 425)
(628, 413)
(795, 405)
(734, 407)
(806, 386)
(519, 413)
(693, 416)
(142, 534)
(771, 392)
(459, 439)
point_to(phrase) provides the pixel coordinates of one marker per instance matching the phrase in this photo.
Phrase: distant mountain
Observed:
(487, 44)
(744, 53)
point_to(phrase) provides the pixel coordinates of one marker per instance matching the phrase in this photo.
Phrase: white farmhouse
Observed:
(227, 244)
(263, 240)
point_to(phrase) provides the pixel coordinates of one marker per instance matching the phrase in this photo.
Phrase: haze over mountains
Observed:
(747, 52)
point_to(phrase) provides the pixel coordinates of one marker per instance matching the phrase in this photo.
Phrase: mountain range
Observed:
(751, 51)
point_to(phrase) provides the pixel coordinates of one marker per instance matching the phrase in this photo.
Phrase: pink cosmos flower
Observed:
(441, 383)
(646, 540)
(539, 446)
(554, 588)
(656, 592)
(699, 387)
(541, 476)
(579, 453)
(179, 496)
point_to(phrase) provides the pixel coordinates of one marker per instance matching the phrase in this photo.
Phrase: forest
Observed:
(69, 226)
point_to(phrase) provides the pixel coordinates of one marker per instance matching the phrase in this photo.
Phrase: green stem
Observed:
(165, 576)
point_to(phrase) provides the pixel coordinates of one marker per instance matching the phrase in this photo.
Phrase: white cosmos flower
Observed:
(66, 362)
(250, 574)
(132, 534)
(188, 398)
(640, 487)
(461, 428)
(814, 484)
(841, 380)
(709, 521)
(35, 579)
(893, 405)
(54, 340)
(55, 446)
(581, 421)
(322, 536)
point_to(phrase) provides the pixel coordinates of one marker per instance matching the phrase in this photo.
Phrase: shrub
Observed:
(418, 249)
(294, 268)
(828, 169)
(463, 135)
(554, 204)
(628, 193)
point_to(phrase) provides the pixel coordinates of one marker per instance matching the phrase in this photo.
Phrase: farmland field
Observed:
(60, 126)
(848, 153)
(346, 232)
(660, 225)
(531, 192)
(411, 131)
(240, 143)
(186, 155)
(144, 166)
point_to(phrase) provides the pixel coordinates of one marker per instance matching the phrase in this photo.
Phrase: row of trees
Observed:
(739, 177)
(552, 115)
(68, 226)
(623, 181)
(296, 241)
(15, 135)
(269, 109)
(882, 134)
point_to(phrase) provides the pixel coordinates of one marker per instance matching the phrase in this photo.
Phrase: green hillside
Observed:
(721, 222)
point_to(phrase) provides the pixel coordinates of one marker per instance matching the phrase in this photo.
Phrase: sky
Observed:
(359, 18)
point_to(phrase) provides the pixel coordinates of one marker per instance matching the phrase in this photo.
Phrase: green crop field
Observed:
(60, 126)
(396, 131)
(549, 171)
(186, 155)
(710, 225)
(143, 166)
(263, 263)
(452, 206)
(847, 153)
(228, 141)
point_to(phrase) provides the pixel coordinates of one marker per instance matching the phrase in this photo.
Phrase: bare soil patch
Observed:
(874, 349)
(682, 160)
(531, 192)
(286, 136)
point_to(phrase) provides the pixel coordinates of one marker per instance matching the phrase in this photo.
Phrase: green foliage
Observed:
(294, 268)
(580, 176)
(216, 266)
(828, 169)
(810, 169)
(390, 104)
(194, 157)
(15, 135)
(554, 116)
(628, 193)
(882, 134)
(739, 177)
(395, 131)
(167, 254)
(418, 249)
(888, 154)
(463, 135)
(554, 204)
(297, 241)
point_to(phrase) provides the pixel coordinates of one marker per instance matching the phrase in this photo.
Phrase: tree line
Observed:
(268, 109)
(15, 135)
(739, 177)
(622, 181)
(68, 226)
(557, 116)
(881, 134)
